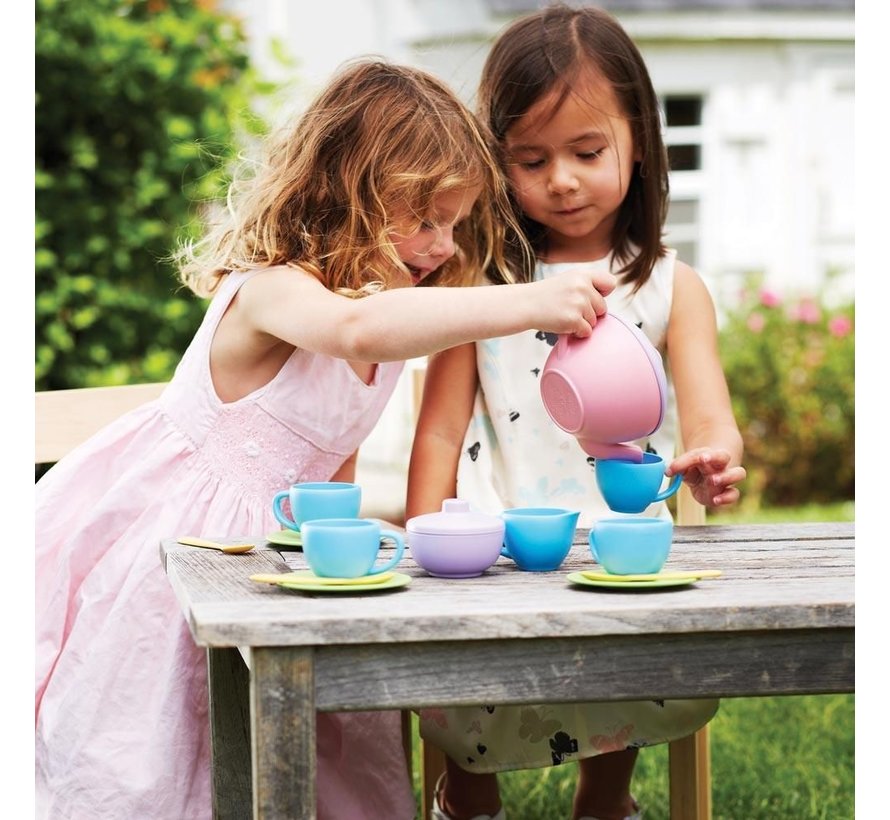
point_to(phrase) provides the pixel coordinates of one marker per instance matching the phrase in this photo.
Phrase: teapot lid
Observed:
(456, 518)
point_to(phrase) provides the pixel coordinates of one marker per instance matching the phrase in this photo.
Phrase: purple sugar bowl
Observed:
(456, 542)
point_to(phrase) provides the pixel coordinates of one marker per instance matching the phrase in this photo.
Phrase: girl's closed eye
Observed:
(526, 159)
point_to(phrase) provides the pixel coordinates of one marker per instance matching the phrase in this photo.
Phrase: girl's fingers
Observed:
(605, 283)
(584, 327)
(730, 496)
(705, 460)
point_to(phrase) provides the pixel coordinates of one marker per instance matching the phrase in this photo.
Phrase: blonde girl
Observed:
(385, 183)
(575, 118)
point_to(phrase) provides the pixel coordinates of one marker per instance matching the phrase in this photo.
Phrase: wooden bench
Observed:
(65, 418)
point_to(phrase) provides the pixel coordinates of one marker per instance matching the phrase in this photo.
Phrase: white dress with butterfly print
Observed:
(515, 456)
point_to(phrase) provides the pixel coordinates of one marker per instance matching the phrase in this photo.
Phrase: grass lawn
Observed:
(788, 758)
(838, 511)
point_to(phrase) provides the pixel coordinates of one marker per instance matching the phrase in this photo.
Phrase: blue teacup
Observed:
(538, 538)
(627, 546)
(347, 547)
(317, 499)
(630, 486)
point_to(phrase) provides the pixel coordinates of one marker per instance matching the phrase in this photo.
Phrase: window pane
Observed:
(683, 212)
(683, 110)
(684, 157)
(686, 251)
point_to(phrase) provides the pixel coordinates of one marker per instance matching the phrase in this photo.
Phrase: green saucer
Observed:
(285, 538)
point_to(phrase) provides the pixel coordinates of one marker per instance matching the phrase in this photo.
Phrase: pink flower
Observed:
(807, 311)
(839, 326)
(756, 322)
(769, 298)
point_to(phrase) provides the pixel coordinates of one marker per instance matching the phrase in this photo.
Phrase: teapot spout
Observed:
(606, 450)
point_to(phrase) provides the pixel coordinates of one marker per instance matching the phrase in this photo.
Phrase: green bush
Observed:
(789, 365)
(140, 105)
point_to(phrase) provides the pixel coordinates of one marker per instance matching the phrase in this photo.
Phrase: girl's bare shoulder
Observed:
(689, 287)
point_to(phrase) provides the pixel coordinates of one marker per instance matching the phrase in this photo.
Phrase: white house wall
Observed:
(776, 181)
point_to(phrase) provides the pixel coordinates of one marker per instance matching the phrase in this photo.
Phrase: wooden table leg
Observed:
(282, 733)
(689, 760)
(228, 683)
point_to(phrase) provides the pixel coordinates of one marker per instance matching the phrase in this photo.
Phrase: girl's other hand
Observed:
(571, 302)
(709, 476)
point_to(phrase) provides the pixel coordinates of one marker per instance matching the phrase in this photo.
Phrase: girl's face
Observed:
(571, 168)
(425, 249)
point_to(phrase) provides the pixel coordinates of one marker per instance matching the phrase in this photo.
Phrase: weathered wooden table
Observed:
(779, 622)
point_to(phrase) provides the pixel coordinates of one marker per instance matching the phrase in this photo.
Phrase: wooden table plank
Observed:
(582, 669)
(767, 584)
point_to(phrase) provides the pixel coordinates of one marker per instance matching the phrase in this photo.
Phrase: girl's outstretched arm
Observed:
(448, 393)
(403, 323)
(711, 463)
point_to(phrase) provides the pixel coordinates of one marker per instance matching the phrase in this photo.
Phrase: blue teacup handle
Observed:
(279, 515)
(400, 549)
(671, 488)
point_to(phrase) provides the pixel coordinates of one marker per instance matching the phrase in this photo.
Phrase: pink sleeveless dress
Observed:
(121, 689)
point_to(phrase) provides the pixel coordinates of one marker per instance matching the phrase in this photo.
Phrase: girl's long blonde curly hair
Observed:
(380, 140)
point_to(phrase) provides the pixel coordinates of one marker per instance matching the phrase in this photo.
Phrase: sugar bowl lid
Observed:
(456, 518)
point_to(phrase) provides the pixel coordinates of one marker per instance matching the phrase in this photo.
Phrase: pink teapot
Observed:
(606, 389)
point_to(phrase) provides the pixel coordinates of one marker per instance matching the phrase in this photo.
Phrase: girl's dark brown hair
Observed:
(549, 51)
(379, 142)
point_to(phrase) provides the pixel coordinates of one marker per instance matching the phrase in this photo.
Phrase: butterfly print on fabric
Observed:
(473, 451)
(544, 336)
(591, 461)
(513, 415)
(651, 449)
(536, 371)
(561, 745)
(615, 742)
(535, 727)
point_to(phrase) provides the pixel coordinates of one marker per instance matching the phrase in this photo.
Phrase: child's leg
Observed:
(603, 789)
(465, 794)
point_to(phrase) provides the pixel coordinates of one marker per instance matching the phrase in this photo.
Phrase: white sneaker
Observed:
(637, 815)
(438, 813)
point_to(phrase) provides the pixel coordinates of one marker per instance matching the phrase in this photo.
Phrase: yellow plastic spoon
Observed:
(658, 576)
(308, 577)
(191, 541)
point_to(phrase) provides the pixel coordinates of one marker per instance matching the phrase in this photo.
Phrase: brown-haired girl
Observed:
(384, 183)
(575, 119)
